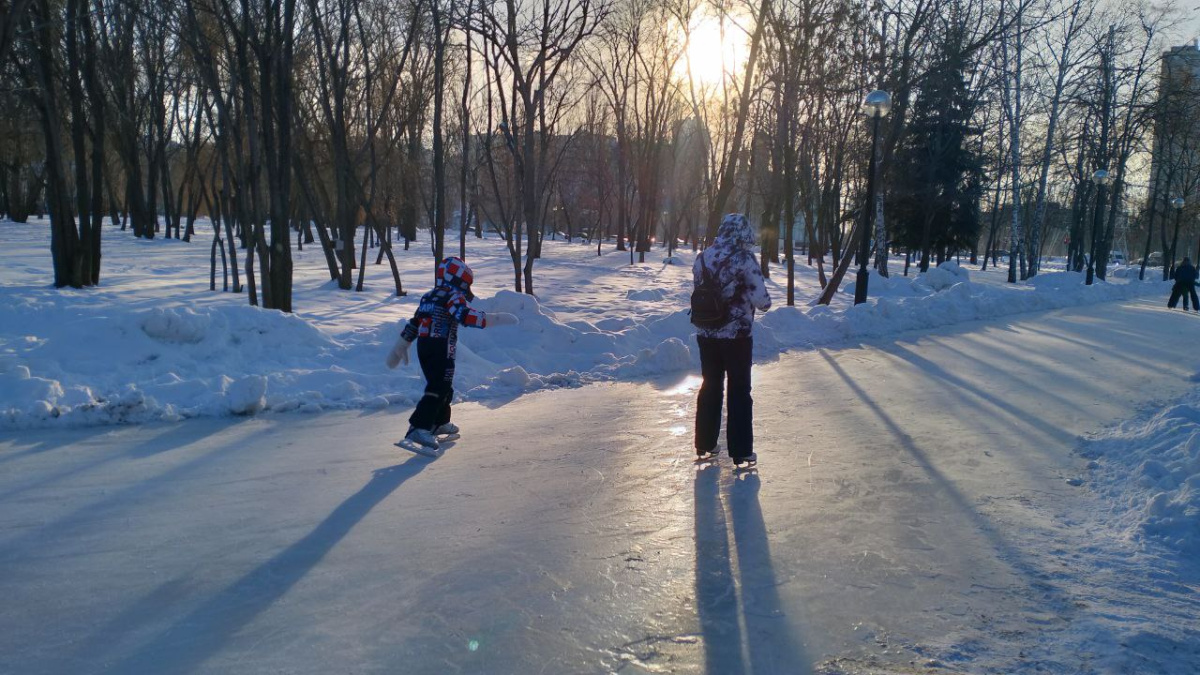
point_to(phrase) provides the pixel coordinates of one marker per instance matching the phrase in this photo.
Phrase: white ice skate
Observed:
(420, 441)
(447, 431)
(748, 462)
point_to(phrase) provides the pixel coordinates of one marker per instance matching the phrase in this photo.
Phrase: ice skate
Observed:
(447, 432)
(706, 455)
(420, 441)
(748, 462)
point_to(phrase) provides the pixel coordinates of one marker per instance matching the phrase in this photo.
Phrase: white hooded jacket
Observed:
(736, 268)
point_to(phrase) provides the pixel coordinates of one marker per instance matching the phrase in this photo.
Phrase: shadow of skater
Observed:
(193, 639)
(769, 634)
(716, 596)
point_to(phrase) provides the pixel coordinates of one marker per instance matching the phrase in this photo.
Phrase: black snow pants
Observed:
(437, 363)
(721, 359)
(1184, 289)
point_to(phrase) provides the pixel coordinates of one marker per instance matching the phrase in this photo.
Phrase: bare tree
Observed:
(1074, 17)
(526, 48)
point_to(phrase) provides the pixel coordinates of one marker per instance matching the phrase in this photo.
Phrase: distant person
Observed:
(1185, 286)
(434, 327)
(729, 287)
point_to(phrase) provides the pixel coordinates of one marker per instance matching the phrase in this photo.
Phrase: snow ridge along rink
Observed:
(152, 343)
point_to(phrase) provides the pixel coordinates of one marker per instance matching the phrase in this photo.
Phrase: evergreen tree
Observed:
(937, 177)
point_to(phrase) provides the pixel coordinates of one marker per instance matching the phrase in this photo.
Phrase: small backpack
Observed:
(709, 309)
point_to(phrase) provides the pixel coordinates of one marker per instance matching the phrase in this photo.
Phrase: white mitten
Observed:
(502, 319)
(399, 353)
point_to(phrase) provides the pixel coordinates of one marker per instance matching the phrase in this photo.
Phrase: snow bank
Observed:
(1149, 468)
(154, 343)
(944, 276)
(1132, 272)
(646, 294)
(945, 295)
(107, 363)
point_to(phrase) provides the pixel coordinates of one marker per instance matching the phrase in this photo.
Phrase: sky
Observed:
(1190, 29)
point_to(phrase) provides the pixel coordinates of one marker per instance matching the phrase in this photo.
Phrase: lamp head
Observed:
(1101, 177)
(1178, 203)
(877, 104)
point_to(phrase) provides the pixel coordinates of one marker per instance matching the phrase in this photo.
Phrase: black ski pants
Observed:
(724, 359)
(437, 363)
(1184, 289)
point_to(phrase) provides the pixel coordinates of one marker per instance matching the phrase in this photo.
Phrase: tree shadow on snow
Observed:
(64, 529)
(742, 620)
(193, 639)
(165, 437)
(1040, 581)
(182, 434)
(47, 441)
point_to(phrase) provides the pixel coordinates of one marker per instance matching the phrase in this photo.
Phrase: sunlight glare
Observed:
(687, 385)
(708, 55)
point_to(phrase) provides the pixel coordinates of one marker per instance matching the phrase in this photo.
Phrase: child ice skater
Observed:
(434, 327)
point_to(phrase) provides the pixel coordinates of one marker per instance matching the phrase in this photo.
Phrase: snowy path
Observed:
(912, 513)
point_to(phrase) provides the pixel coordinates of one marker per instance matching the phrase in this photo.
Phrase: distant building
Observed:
(1175, 163)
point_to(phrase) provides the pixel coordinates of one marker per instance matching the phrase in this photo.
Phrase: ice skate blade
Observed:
(419, 449)
(446, 438)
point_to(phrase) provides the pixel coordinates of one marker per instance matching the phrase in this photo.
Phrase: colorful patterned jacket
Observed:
(439, 314)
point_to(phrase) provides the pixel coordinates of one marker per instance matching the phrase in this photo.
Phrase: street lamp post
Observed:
(877, 105)
(1176, 204)
(1101, 179)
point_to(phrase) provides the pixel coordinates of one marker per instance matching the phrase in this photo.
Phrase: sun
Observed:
(713, 51)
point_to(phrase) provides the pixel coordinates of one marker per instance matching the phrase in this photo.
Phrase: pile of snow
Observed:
(1132, 272)
(113, 364)
(152, 342)
(944, 276)
(93, 364)
(1149, 468)
(1060, 282)
(943, 296)
(646, 294)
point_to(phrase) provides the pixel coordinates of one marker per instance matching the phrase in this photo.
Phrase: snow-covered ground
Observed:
(937, 493)
(153, 343)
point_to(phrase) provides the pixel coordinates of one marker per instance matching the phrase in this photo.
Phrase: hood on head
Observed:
(454, 272)
(735, 229)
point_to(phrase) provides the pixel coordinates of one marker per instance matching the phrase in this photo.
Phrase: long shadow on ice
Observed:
(161, 438)
(770, 637)
(742, 620)
(195, 638)
(1149, 351)
(967, 388)
(180, 435)
(63, 529)
(47, 441)
(939, 479)
(716, 595)
(1040, 582)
